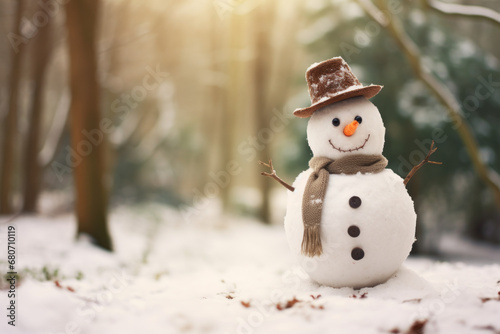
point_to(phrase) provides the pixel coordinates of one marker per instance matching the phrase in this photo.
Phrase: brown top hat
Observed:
(332, 81)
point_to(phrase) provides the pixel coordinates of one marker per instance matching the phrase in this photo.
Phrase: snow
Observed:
(313, 65)
(316, 201)
(172, 276)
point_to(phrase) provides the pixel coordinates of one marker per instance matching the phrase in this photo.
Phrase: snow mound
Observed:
(167, 276)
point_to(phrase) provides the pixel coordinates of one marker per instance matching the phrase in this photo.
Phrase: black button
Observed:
(355, 202)
(353, 231)
(357, 254)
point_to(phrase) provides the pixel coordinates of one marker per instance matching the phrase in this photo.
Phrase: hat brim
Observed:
(368, 92)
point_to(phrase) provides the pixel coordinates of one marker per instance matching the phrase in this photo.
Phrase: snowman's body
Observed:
(381, 229)
(368, 220)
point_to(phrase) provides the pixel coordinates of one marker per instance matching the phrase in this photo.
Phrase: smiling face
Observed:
(352, 126)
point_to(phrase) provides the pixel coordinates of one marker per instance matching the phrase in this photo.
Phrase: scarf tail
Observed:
(311, 241)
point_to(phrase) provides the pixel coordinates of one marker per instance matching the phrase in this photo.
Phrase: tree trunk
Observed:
(273, 62)
(263, 17)
(40, 56)
(231, 103)
(91, 195)
(10, 124)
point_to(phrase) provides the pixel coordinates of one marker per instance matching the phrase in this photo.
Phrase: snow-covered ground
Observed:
(230, 276)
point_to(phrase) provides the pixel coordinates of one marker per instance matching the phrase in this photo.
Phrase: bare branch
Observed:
(465, 10)
(423, 162)
(444, 95)
(374, 12)
(274, 176)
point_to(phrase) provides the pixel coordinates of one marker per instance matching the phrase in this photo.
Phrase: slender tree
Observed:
(232, 99)
(91, 194)
(263, 16)
(40, 56)
(10, 124)
(273, 60)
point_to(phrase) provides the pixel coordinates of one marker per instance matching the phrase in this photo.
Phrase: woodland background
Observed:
(121, 102)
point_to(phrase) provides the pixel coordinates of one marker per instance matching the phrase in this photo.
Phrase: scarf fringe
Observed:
(311, 241)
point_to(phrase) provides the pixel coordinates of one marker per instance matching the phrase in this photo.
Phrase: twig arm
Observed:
(423, 162)
(274, 176)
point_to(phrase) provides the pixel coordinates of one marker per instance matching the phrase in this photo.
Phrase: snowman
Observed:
(349, 221)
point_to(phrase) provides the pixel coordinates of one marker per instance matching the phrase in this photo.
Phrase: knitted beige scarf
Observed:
(314, 193)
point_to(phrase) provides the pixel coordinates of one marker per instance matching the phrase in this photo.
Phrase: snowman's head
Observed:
(352, 126)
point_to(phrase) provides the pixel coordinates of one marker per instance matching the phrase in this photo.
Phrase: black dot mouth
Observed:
(350, 150)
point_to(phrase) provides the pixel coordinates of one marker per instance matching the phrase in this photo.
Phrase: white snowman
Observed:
(350, 221)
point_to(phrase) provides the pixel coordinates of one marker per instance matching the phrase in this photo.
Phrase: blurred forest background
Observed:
(113, 102)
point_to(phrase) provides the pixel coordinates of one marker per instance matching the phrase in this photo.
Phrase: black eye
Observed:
(336, 121)
(358, 119)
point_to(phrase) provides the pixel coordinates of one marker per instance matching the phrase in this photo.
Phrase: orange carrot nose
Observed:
(351, 128)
